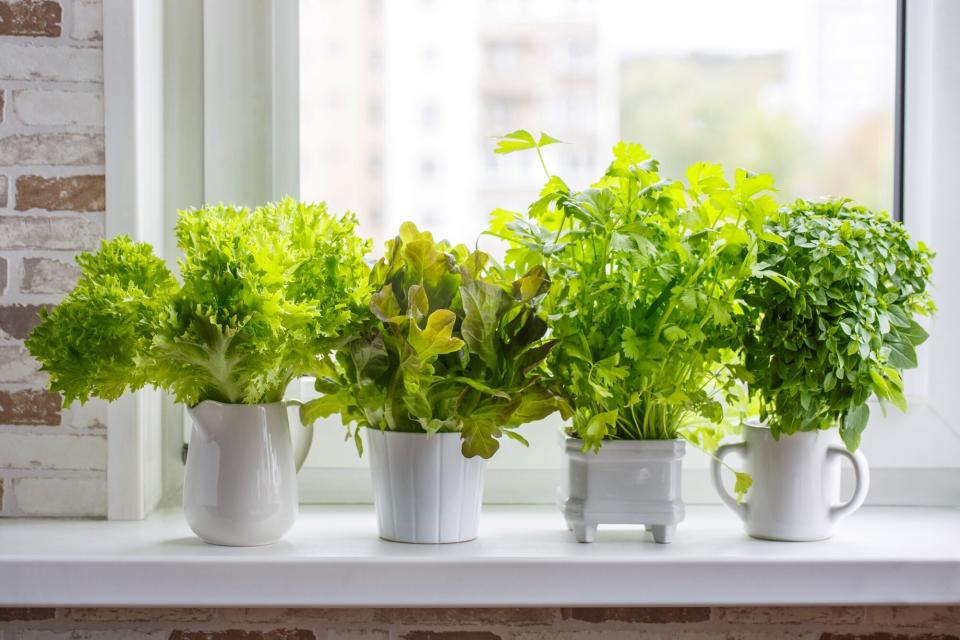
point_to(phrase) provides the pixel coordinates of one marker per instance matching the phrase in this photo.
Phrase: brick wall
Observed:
(756, 623)
(52, 459)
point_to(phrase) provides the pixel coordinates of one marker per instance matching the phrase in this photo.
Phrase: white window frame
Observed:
(244, 148)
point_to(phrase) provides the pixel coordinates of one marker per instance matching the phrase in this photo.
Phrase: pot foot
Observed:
(662, 533)
(584, 532)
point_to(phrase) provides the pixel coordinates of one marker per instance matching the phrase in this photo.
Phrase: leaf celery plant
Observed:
(646, 278)
(263, 296)
(450, 345)
(841, 322)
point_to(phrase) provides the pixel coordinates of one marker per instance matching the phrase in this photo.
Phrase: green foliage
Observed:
(840, 324)
(265, 295)
(89, 344)
(450, 345)
(646, 275)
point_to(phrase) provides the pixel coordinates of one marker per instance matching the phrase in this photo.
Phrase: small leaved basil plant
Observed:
(840, 323)
(263, 297)
(450, 345)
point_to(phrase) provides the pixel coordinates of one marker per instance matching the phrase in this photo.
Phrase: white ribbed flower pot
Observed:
(626, 482)
(424, 490)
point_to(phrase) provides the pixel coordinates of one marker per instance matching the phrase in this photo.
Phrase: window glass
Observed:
(400, 100)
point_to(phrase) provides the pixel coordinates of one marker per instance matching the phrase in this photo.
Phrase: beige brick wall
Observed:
(755, 623)
(52, 459)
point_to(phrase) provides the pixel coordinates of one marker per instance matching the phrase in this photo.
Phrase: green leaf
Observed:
(479, 438)
(436, 338)
(597, 428)
(902, 353)
(631, 344)
(482, 304)
(742, 485)
(546, 139)
(418, 305)
(513, 435)
(536, 403)
(384, 304)
(853, 425)
(418, 405)
(321, 407)
(516, 141)
(915, 334)
(533, 284)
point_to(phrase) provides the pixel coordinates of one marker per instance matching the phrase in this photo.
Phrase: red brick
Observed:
(450, 635)
(21, 614)
(30, 407)
(888, 636)
(242, 634)
(73, 193)
(648, 615)
(18, 320)
(48, 275)
(30, 18)
(790, 615)
(927, 618)
(1, 114)
(1, 494)
(50, 232)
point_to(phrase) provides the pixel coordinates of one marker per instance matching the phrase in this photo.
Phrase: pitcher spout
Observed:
(207, 416)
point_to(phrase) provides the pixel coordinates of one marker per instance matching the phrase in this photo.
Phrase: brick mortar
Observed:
(52, 85)
(63, 41)
(214, 620)
(48, 171)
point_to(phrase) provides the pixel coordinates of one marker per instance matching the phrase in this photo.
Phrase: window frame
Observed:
(893, 482)
(138, 105)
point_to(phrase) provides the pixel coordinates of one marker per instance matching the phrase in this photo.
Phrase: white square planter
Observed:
(626, 482)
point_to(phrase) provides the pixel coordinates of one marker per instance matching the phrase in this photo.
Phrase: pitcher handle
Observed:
(740, 508)
(303, 440)
(862, 472)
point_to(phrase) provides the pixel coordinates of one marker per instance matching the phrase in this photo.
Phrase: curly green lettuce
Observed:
(264, 297)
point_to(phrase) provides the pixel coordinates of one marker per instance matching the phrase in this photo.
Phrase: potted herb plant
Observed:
(443, 368)
(263, 297)
(646, 275)
(836, 328)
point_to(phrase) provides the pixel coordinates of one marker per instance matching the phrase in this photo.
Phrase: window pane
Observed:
(400, 100)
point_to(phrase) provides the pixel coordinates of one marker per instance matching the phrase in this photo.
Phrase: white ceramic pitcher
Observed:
(796, 483)
(240, 484)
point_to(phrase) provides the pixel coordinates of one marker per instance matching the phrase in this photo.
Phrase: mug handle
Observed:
(301, 444)
(740, 508)
(862, 472)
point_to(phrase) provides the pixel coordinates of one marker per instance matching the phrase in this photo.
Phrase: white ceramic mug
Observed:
(796, 483)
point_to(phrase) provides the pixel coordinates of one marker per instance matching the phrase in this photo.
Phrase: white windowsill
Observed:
(524, 557)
